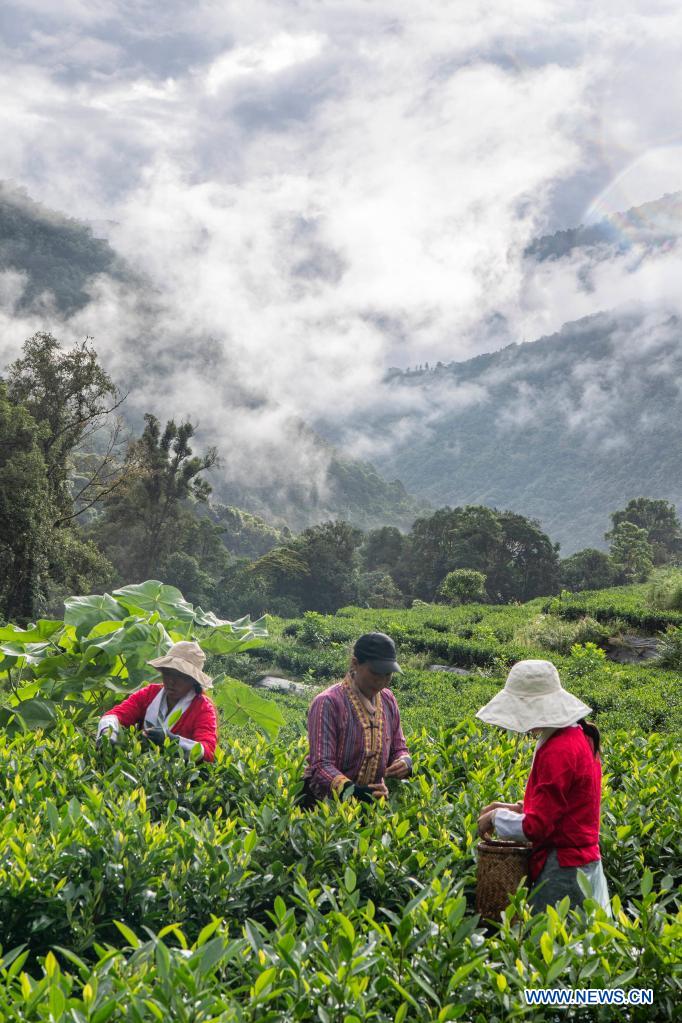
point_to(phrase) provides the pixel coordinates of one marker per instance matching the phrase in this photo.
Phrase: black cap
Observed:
(378, 650)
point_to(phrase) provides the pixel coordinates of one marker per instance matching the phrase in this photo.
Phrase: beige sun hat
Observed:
(533, 697)
(188, 658)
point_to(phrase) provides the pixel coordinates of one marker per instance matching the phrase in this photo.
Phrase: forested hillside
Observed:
(652, 224)
(56, 256)
(561, 429)
(52, 261)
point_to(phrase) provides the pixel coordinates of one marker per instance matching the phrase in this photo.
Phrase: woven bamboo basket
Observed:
(501, 866)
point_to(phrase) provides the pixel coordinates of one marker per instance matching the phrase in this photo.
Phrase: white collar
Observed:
(157, 712)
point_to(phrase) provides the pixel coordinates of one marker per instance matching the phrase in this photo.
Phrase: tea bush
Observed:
(137, 886)
(235, 904)
(629, 604)
(665, 589)
(670, 651)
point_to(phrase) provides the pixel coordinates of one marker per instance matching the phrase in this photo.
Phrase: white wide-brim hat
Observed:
(533, 697)
(188, 658)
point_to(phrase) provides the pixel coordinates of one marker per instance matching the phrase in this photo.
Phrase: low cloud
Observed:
(316, 192)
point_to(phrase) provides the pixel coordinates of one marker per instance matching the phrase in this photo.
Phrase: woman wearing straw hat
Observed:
(559, 814)
(176, 708)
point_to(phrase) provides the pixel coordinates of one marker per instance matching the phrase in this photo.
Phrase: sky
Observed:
(316, 191)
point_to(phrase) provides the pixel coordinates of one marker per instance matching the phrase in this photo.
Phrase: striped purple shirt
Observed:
(346, 744)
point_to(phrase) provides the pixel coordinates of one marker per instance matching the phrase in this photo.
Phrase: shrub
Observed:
(670, 652)
(463, 586)
(586, 659)
(665, 590)
(553, 633)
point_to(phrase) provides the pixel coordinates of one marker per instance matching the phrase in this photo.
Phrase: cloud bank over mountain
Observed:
(313, 192)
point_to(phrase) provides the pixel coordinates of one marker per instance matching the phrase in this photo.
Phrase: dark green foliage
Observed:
(518, 560)
(147, 519)
(661, 522)
(25, 519)
(382, 548)
(58, 255)
(246, 535)
(590, 569)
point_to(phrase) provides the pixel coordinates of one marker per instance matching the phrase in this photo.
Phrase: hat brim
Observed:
(384, 667)
(185, 667)
(520, 714)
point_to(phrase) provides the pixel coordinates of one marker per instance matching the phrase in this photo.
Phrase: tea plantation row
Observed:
(135, 886)
(346, 913)
(484, 641)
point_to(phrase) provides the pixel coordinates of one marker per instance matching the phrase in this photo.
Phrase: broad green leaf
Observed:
(646, 883)
(153, 595)
(36, 713)
(38, 633)
(227, 642)
(136, 641)
(84, 612)
(31, 653)
(173, 718)
(346, 926)
(242, 705)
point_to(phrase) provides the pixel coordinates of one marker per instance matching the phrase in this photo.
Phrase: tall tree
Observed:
(631, 552)
(517, 558)
(149, 517)
(528, 564)
(589, 569)
(660, 520)
(329, 552)
(382, 548)
(72, 398)
(25, 512)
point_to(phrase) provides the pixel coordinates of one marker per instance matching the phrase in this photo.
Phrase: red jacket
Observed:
(562, 801)
(199, 722)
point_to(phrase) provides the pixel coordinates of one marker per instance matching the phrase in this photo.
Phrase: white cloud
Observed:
(317, 191)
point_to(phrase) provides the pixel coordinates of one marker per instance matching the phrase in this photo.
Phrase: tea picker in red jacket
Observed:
(176, 708)
(559, 815)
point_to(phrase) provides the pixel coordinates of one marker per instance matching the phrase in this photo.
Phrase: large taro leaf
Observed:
(208, 619)
(135, 643)
(152, 596)
(85, 612)
(225, 641)
(30, 653)
(223, 637)
(242, 705)
(38, 633)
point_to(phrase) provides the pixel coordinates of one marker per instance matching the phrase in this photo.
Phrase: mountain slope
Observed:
(565, 429)
(57, 260)
(654, 224)
(56, 255)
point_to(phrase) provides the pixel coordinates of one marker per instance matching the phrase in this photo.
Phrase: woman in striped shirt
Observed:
(356, 741)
